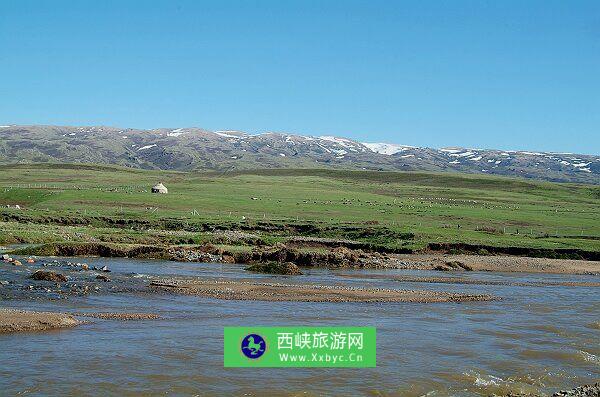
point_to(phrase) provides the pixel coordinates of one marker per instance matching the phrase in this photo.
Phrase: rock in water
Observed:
(43, 275)
(102, 277)
(582, 391)
(286, 268)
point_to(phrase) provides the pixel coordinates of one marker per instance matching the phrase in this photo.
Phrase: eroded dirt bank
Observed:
(338, 257)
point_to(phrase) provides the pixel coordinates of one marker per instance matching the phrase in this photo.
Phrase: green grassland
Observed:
(70, 202)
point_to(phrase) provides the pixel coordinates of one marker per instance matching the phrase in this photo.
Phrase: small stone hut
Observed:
(160, 188)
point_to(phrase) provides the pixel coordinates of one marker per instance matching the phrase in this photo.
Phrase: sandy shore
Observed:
(501, 263)
(249, 290)
(22, 320)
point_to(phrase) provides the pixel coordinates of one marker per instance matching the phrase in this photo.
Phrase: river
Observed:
(535, 339)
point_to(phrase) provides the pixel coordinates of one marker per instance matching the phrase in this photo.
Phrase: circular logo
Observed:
(253, 346)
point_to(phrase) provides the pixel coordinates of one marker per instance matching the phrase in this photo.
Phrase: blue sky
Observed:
(486, 74)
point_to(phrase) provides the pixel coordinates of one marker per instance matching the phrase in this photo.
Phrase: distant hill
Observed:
(200, 149)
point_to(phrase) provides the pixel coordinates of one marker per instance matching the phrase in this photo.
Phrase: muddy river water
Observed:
(535, 339)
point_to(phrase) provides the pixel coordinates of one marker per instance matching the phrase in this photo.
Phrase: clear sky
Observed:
(486, 74)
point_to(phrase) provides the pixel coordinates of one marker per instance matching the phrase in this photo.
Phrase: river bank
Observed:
(320, 256)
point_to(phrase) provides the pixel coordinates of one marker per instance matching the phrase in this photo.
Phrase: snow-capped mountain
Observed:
(196, 149)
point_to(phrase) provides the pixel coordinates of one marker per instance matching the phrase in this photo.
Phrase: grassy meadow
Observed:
(68, 202)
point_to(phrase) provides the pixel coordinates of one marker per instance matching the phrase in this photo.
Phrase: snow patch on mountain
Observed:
(579, 165)
(386, 148)
(349, 144)
(464, 154)
(339, 152)
(450, 150)
(226, 134)
(532, 153)
(176, 132)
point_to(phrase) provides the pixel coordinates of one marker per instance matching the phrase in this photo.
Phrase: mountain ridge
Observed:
(196, 148)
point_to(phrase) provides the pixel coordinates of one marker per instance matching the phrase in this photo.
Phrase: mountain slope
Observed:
(196, 149)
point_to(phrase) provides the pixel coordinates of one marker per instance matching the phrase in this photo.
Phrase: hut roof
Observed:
(159, 188)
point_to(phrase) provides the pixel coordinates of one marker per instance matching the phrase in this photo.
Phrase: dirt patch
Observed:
(22, 320)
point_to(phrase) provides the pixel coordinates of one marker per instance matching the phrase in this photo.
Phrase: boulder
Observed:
(43, 275)
(459, 265)
(103, 278)
(285, 268)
